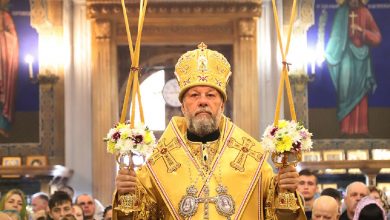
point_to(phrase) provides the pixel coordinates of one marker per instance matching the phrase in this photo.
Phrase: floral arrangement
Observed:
(122, 139)
(287, 136)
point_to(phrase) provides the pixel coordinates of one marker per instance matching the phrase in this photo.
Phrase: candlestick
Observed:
(30, 70)
(313, 67)
(29, 60)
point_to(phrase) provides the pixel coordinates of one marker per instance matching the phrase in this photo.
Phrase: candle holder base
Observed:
(45, 78)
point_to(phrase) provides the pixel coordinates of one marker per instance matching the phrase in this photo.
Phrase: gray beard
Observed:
(202, 127)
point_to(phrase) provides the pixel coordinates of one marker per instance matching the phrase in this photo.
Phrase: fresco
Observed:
(348, 95)
(19, 96)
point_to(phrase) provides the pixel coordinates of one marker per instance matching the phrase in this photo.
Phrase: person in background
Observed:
(69, 217)
(335, 194)
(107, 214)
(67, 189)
(4, 216)
(60, 205)
(14, 203)
(99, 209)
(78, 212)
(369, 209)
(40, 205)
(325, 207)
(87, 203)
(381, 198)
(307, 187)
(355, 192)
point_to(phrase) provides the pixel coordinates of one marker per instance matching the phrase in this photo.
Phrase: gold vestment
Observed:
(239, 164)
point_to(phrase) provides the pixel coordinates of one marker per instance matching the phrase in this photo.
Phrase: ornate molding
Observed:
(39, 11)
(247, 29)
(102, 29)
(152, 30)
(298, 82)
(174, 1)
(96, 9)
(307, 14)
(47, 116)
(46, 14)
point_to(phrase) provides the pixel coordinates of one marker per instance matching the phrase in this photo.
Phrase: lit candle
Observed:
(29, 60)
(313, 66)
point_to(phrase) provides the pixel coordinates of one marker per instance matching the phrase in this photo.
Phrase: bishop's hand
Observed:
(126, 181)
(288, 179)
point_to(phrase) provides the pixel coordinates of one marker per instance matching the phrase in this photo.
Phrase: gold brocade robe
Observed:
(239, 165)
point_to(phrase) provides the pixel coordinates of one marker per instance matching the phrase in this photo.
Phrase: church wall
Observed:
(37, 128)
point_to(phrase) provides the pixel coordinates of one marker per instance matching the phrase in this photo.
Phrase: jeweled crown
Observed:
(202, 67)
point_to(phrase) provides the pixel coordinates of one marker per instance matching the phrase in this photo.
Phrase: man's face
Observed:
(61, 210)
(39, 204)
(202, 107)
(355, 192)
(14, 202)
(307, 186)
(87, 203)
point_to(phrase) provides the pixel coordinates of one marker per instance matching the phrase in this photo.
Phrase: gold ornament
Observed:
(202, 67)
(128, 203)
(286, 200)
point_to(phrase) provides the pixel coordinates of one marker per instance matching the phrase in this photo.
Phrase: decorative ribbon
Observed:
(133, 82)
(284, 76)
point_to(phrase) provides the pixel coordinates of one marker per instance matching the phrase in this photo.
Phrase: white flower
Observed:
(122, 139)
(288, 136)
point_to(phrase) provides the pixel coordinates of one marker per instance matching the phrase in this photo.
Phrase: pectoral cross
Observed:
(206, 200)
(353, 15)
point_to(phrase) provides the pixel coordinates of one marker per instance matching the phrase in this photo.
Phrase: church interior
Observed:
(72, 64)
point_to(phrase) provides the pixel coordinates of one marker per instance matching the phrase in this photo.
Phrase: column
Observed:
(370, 174)
(104, 109)
(78, 97)
(245, 78)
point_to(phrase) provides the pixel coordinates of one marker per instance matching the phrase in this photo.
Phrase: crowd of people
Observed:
(58, 206)
(358, 202)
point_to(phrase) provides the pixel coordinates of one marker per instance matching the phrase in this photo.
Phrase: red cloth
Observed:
(356, 122)
(9, 62)
(370, 34)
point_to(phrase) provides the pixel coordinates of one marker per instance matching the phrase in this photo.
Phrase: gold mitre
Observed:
(202, 67)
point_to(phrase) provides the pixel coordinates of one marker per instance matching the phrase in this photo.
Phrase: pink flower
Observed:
(273, 131)
(116, 136)
(296, 146)
(138, 139)
(303, 134)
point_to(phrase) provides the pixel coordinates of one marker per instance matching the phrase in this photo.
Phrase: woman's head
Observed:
(107, 214)
(369, 209)
(379, 196)
(14, 200)
(78, 212)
